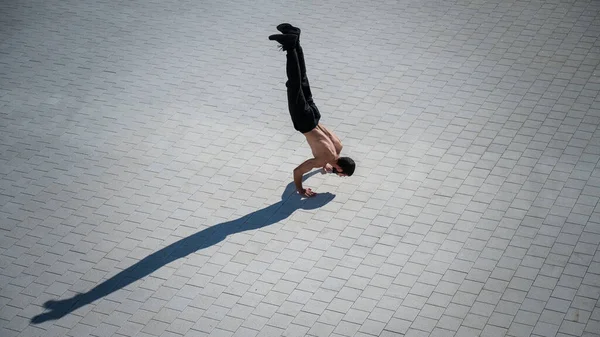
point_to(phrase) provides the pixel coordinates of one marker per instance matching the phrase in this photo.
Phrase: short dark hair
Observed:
(347, 165)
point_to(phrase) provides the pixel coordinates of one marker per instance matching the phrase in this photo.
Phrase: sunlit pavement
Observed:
(146, 157)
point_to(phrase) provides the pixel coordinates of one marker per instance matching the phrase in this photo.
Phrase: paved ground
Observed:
(146, 155)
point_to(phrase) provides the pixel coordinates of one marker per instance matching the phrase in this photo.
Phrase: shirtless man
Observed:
(325, 145)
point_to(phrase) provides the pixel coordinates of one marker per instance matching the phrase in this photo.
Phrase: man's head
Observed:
(347, 165)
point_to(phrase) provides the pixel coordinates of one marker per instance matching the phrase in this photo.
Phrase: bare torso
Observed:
(326, 148)
(323, 142)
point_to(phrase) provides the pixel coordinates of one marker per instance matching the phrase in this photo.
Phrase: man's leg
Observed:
(286, 28)
(304, 78)
(300, 111)
(304, 83)
(296, 99)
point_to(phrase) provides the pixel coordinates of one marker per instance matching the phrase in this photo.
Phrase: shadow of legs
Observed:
(269, 215)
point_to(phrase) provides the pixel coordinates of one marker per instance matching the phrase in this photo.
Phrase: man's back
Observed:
(323, 142)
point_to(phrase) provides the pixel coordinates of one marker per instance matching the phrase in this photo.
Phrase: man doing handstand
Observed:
(325, 145)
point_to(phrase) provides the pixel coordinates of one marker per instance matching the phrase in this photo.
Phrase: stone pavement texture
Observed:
(146, 154)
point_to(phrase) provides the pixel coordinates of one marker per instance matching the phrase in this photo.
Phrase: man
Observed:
(325, 145)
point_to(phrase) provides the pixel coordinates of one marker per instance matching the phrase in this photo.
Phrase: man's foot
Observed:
(286, 28)
(287, 41)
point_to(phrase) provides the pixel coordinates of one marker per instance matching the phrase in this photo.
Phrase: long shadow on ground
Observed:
(290, 201)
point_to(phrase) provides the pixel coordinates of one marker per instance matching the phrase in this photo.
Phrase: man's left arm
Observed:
(303, 169)
(337, 143)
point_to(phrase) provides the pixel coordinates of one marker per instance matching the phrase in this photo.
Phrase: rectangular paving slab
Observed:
(146, 157)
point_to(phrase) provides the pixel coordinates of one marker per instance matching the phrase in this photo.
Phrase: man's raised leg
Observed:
(286, 28)
(296, 98)
(300, 111)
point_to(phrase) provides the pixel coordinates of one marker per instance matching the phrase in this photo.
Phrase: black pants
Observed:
(303, 110)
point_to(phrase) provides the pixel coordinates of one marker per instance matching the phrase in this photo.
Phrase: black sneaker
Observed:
(287, 41)
(286, 28)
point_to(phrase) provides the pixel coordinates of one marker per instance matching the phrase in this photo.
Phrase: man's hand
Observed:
(328, 168)
(307, 192)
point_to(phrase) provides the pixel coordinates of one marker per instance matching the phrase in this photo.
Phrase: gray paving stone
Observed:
(137, 153)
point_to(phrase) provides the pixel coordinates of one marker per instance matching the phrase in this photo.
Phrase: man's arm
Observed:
(301, 170)
(337, 143)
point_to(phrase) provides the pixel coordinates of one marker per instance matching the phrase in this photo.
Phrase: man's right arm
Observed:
(337, 143)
